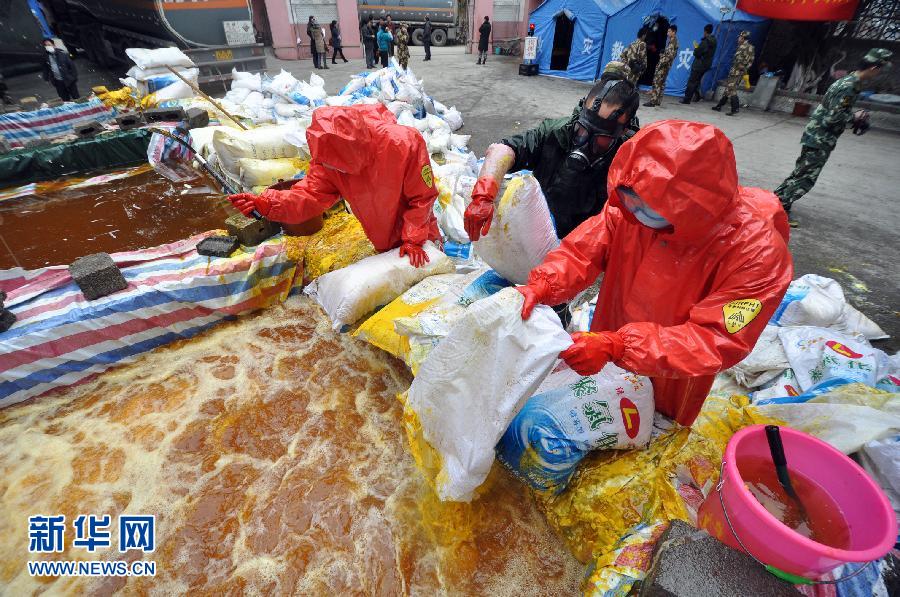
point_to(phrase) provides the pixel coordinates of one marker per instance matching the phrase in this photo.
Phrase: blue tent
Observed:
(601, 29)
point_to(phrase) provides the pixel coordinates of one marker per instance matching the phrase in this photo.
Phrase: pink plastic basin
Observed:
(867, 511)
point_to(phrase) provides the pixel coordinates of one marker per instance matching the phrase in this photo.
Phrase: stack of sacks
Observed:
(152, 81)
(256, 158)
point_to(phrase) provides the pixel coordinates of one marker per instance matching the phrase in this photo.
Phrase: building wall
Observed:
(285, 31)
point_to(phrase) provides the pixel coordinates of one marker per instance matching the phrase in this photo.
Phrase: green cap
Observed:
(878, 56)
(614, 67)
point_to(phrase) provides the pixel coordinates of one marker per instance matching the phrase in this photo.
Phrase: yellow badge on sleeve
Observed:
(738, 314)
(427, 176)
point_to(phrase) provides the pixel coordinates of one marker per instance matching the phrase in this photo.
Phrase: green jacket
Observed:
(571, 197)
(830, 118)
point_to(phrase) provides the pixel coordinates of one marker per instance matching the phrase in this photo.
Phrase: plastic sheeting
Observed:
(114, 150)
(603, 29)
(50, 123)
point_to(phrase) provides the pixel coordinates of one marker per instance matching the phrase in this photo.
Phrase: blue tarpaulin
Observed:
(603, 28)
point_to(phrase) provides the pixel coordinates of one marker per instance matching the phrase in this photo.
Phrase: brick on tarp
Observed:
(195, 118)
(129, 120)
(251, 231)
(5, 146)
(97, 275)
(164, 114)
(7, 319)
(217, 246)
(688, 563)
(88, 129)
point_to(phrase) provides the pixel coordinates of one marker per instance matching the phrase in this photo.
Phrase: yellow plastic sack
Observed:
(379, 330)
(340, 242)
(254, 172)
(617, 495)
(746, 80)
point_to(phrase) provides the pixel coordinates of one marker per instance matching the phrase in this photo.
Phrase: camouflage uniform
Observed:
(740, 64)
(826, 124)
(403, 47)
(662, 70)
(635, 56)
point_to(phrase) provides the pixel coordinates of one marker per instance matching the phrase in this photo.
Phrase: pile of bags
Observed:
(153, 82)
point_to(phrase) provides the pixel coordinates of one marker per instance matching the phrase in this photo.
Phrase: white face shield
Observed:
(643, 212)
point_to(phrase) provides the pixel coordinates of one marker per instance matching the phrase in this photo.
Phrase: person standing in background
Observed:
(60, 71)
(635, 57)
(703, 57)
(336, 45)
(367, 35)
(318, 40)
(312, 42)
(403, 46)
(384, 44)
(426, 39)
(389, 24)
(740, 64)
(662, 68)
(484, 39)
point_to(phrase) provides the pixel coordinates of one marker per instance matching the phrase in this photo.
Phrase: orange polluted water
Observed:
(823, 523)
(144, 210)
(271, 451)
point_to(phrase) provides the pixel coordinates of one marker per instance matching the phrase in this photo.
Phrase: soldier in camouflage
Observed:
(740, 64)
(662, 67)
(403, 46)
(826, 124)
(635, 57)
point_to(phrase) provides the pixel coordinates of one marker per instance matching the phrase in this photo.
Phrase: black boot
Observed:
(718, 107)
(735, 105)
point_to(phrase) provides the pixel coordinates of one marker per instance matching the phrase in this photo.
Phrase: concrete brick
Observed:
(97, 275)
(35, 143)
(196, 118)
(251, 231)
(5, 146)
(2, 298)
(175, 114)
(130, 120)
(687, 564)
(7, 319)
(88, 129)
(217, 246)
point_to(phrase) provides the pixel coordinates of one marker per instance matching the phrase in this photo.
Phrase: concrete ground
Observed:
(849, 221)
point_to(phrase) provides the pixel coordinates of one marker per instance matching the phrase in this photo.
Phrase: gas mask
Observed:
(594, 137)
(640, 210)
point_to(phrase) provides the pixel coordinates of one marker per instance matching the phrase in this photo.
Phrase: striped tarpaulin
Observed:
(60, 339)
(50, 123)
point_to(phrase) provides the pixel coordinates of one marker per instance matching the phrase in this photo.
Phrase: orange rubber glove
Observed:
(247, 202)
(478, 216)
(417, 255)
(534, 293)
(591, 351)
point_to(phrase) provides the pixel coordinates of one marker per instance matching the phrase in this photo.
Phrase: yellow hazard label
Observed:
(427, 176)
(739, 313)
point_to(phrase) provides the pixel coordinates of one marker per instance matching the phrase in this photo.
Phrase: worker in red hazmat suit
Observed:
(694, 265)
(382, 169)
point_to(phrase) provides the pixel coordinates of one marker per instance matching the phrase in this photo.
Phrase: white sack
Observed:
(146, 58)
(261, 143)
(474, 382)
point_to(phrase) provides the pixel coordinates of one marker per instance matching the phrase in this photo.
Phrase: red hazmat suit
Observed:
(689, 300)
(382, 169)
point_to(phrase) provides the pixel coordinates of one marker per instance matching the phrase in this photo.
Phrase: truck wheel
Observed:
(439, 37)
(417, 36)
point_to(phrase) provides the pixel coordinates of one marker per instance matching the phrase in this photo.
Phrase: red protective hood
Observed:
(346, 137)
(684, 170)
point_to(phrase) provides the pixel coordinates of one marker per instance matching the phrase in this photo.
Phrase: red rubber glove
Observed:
(534, 293)
(480, 212)
(417, 255)
(247, 202)
(591, 351)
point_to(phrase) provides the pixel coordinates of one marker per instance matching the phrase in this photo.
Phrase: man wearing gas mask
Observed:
(694, 265)
(569, 156)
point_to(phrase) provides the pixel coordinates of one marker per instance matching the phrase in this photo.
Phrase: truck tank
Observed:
(413, 12)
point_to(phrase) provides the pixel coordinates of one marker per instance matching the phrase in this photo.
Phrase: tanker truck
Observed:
(443, 14)
(217, 34)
